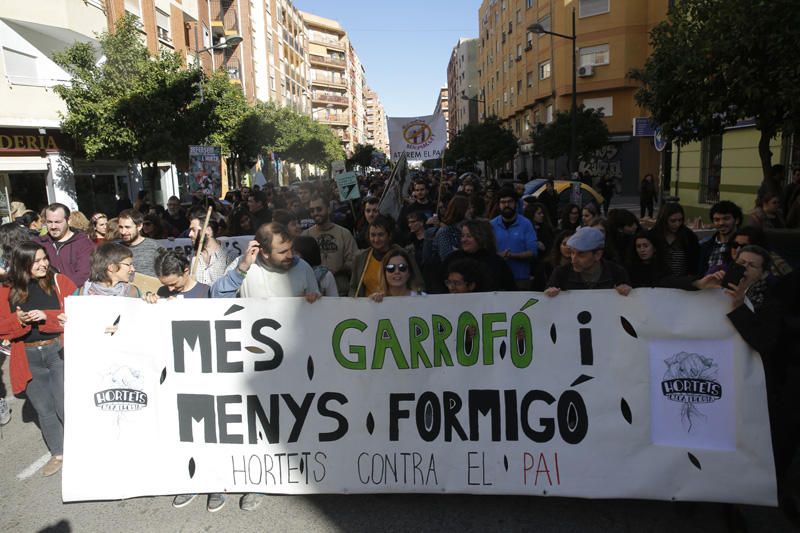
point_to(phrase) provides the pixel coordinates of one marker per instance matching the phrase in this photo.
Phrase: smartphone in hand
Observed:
(733, 276)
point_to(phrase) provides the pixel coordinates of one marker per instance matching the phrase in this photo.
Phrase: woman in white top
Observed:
(399, 276)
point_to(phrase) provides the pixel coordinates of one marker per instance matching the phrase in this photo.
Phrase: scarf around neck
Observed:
(91, 288)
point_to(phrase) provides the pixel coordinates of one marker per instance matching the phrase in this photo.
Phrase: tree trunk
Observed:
(765, 154)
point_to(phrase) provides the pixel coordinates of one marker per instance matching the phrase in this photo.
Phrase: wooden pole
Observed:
(441, 186)
(193, 271)
(363, 272)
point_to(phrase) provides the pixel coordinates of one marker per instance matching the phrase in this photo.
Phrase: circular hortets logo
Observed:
(418, 133)
(122, 390)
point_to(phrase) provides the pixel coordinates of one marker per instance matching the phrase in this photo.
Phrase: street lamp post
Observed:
(223, 44)
(476, 99)
(573, 138)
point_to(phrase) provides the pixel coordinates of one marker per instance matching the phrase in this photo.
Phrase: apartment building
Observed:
(443, 107)
(526, 77)
(358, 116)
(377, 133)
(463, 85)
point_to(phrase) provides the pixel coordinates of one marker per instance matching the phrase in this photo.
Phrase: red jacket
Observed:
(13, 330)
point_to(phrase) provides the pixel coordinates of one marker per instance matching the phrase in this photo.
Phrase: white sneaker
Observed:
(5, 412)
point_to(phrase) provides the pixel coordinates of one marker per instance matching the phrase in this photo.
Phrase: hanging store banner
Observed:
(589, 394)
(421, 138)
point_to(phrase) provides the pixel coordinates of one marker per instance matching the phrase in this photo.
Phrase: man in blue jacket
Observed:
(516, 238)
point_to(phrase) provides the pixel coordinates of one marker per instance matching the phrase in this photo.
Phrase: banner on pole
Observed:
(206, 162)
(421, 138)
(589, 394)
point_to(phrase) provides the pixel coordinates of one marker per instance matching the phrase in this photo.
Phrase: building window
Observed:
(545, 70)
(519, 16)
(594, 55)
(546, 25)
(710, 169)
(505, 97)
(20, 67)
(162, 25)
(133, 7)
(548, 114)
(519, 52)
(528, 40)
(588, 8)
(606, 104)
(529, 79)
(519, 86)
(528, 4)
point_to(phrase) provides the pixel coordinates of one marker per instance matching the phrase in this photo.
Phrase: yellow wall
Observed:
(741, 170)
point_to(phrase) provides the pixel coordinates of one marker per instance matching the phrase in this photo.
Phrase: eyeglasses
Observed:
(390, 268)
(735, 244)
(449, 283)
(129, 265)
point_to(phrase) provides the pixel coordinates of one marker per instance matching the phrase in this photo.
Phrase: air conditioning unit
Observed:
(585, 71)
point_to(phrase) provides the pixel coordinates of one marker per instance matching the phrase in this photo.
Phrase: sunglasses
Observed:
(735, 244)
(402, 267)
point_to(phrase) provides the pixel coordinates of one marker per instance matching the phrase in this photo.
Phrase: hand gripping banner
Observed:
(589, 394)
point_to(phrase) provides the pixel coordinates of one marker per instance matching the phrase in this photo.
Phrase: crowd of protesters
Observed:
(451, 235)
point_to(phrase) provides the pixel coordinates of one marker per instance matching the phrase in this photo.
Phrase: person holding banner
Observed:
(399, 276)
(111, 270)
(588, 269)
(268, 268)
(33, 320)
(366, 276)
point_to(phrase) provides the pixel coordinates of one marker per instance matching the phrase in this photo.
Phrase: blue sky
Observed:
(403, 45)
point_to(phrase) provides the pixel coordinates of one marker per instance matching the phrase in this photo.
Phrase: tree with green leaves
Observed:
(131, 106)
(553, 140)
(362, 156)
(716, 62)
(487, 141)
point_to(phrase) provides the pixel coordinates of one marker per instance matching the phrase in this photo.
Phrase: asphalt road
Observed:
(32, 503)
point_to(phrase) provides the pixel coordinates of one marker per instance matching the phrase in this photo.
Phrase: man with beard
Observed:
(516, 238)
(175, 217)
(336, 244)
(145, 250)
(69, 251)
(268, 268)
(214, 258)
(715, 250)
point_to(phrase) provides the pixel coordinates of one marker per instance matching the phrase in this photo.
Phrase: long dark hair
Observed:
(565, 223)
(481, 230)
(662, 220)
(554, 255)
(19, 276)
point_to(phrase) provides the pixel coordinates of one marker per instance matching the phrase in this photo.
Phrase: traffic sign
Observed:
(348, 186)
(659, 140)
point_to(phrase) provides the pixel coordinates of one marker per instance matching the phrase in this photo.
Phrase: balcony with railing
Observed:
(330, 98)
(328, 61)
(318, 77)
(334, 119)
(233, 69)
(224, 20)
(325, 39)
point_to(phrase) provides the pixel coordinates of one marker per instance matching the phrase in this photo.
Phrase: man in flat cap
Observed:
(588, 269)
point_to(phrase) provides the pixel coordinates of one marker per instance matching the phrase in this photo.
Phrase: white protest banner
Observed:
(569, 396)
(237, 244)
(421, 138)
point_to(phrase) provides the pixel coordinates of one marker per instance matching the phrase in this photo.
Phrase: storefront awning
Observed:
(23, 163)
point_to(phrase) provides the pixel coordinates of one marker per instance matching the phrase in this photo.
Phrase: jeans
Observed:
(46, 392)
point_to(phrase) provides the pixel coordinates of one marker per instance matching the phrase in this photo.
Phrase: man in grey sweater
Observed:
(144, 249)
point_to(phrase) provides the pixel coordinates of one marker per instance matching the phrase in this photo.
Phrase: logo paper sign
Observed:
(421, 138)
(347, 183)
(589, 394)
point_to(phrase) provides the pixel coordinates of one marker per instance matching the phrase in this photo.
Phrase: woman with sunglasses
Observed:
(33, 320)
(98, 228)
(399, 276)
(110, 272)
